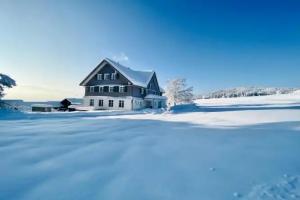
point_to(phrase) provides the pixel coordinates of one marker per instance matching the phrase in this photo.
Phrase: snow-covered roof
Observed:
(153, 96)
(162, 90)
(139, 78)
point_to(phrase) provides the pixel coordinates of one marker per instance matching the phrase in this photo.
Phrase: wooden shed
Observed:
(41, 108)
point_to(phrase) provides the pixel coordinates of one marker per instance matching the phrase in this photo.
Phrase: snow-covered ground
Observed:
(240, 148)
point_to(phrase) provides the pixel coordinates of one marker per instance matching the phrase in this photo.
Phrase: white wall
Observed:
(130, 103)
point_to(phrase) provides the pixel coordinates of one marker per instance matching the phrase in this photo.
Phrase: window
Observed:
(121, 104)
(113, 76)
(116, 88)
(111, 89)
(105, 88)
(106, 76)
(99, 76)
(110, 103)
(142, 90)
(92, 89)
(96, 89)
(100, 89)
(100, 103)
(121, 89)
(91, 102)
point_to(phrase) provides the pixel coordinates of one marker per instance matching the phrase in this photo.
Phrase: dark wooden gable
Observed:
(106, 68)
(153, 86)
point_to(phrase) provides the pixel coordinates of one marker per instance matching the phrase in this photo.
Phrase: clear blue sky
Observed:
(53, 45)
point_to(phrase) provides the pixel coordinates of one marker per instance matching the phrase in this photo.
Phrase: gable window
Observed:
(91, 102)
(106, 76)
(111, 89)
(100, 89)
(99, 76)
(122, 89)
(113, 76)
(92, 88)
(110, 103)
(121, 104)
(105, 88)
(100, 103)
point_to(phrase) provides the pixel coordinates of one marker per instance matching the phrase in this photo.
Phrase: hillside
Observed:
(248, 91)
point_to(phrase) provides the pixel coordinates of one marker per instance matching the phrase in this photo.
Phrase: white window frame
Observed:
(111, 89)
(99, 76)
(106, 76)
(101, 89)
(92, 88)
(122, 89)
(113, 76)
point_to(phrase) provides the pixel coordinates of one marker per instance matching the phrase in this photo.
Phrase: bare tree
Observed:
(178, 92)
(5, 82)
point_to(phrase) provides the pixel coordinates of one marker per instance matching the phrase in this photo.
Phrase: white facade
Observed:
(130, 103)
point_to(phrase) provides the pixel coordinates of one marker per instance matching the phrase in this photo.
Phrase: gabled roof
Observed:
(138, 78)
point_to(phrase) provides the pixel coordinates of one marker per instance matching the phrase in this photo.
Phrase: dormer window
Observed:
(106, 76)
(99, 76)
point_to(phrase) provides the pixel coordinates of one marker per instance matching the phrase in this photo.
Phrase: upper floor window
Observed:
(105, 88)
(92, 88)
(100, 89)
(111, 89)
(99, 76)
(116, 88)
(122, 89)
(106, 76)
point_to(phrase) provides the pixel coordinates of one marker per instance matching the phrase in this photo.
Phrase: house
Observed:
(116, 87)
(41, 108)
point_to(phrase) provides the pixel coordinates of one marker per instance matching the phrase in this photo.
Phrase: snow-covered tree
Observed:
(178, 92)
(5, 82)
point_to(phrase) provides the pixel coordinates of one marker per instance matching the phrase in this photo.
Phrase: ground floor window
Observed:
(121, 104)
(100, 103)
(111, 103)
(91, 102)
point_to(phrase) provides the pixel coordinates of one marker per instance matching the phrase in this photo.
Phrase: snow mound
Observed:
(297, 92)
(8, 114)
(286, 188)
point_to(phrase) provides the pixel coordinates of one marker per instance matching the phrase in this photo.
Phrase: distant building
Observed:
(41, 108)
(113, 86)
